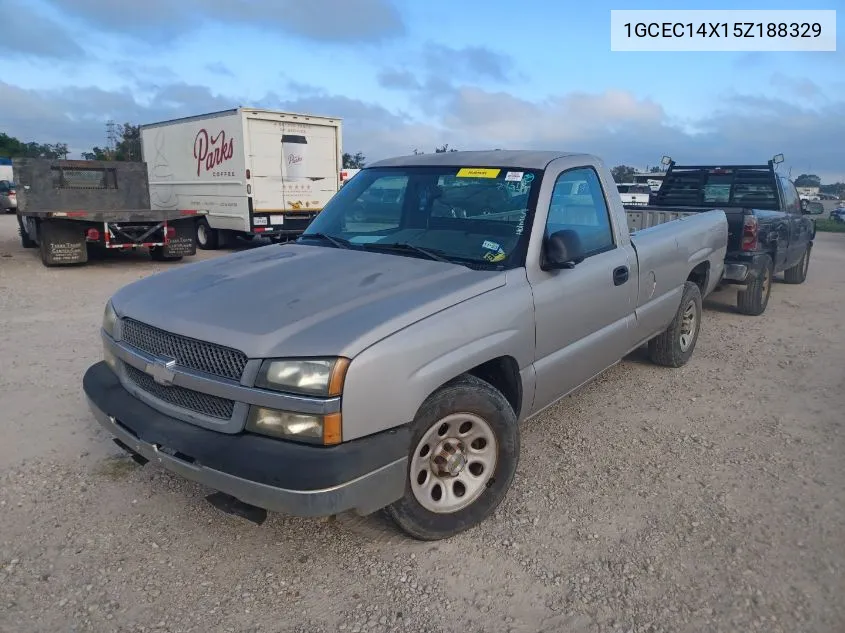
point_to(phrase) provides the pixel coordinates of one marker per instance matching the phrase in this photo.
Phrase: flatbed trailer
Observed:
(70, 208)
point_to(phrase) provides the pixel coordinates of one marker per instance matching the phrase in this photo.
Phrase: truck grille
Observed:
(199, 355)
(211, 406)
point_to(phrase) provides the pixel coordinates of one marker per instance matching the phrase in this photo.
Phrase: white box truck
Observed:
(253, 171)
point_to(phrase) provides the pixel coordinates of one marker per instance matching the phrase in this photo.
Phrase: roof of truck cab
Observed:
(527, 159)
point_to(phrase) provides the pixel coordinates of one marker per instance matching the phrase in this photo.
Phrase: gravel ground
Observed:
(708, 498)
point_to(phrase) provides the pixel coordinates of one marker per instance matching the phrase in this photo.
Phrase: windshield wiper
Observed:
(339, 242)
(405, 246)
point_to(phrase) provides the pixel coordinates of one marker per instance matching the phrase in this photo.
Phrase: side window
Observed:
(790, 197)
(578, 204)
(379, 207)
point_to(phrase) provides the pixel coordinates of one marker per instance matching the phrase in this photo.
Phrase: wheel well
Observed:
(700, 275)
(503, 374)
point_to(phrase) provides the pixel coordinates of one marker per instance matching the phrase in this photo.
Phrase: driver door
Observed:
(581, 314)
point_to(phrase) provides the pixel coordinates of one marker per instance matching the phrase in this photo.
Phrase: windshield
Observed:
(471, 216)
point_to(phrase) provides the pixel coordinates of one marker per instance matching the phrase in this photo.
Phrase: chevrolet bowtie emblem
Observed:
(162, 370)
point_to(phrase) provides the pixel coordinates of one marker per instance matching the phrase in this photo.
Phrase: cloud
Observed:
(615, 125)
(398, 79)
(439, 66)
(320, 20)
(219, 68)
(28, 33)
(804, 87)
(470, 62)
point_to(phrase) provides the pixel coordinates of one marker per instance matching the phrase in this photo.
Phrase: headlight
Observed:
(310, 376)
(317, 429)
(110, 320)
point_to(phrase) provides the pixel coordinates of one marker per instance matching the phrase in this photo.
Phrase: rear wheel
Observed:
(464, 453)
(754, 299)
(798, 273)
(674, 347)
(207, 237)
(26, 242)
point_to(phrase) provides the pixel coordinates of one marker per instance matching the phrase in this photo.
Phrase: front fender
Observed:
(387, 383)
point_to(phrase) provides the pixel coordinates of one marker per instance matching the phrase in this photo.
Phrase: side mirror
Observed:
(562, 249)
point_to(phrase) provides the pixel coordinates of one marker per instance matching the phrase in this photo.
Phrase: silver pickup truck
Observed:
(387, 358)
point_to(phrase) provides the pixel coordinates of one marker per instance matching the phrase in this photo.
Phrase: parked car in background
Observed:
(838, 214)
(8, 196)
(386, 358)
(770, 232)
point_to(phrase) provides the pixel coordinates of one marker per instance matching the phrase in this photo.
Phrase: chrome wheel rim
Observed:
(688, 321)
(767, 280)
(453, 463)
(806, 262)
(202, 236)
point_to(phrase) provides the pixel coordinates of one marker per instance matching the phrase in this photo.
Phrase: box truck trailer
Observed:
(252, 171)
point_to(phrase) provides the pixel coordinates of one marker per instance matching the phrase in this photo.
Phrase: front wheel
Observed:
(674, 347)
(464, 454)
(754, 299)
(798, 273)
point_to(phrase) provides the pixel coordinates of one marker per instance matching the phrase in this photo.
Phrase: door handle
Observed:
(620, 275)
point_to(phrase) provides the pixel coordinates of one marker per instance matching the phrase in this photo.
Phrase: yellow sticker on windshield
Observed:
(477, 172)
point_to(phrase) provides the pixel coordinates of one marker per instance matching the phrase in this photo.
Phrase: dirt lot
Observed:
(710, 498)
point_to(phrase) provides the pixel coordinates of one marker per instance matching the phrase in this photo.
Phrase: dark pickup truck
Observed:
(768, 228)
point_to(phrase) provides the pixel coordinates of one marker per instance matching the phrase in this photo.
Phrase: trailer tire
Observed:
(754, 299)
(26, 241)
(469, 418)
(208, 239)
(798, 273)
(674, 346)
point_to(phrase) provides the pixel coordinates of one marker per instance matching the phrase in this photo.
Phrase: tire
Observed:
(754, 299)
(208, 239)
(674, 346)
(465, 404)
(157, 254)
(26, 241)
(798, 273)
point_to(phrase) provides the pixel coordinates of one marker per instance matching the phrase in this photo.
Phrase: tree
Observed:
(353, 161)
(438, 150)
(623, 173)
(128, 148)
(655, 170)
(808, 180)
(10, 147)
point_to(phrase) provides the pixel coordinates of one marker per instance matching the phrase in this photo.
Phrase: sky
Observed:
(417, 75)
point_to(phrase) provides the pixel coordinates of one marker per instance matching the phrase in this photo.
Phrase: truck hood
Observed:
(298, 300)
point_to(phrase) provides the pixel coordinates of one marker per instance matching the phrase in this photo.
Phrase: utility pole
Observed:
(111, 138)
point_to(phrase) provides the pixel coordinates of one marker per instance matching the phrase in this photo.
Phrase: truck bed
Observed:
(112, 215)
(645, 216)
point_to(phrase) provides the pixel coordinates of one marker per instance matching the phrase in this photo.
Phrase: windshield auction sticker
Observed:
(477, 172)
(723, 30)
